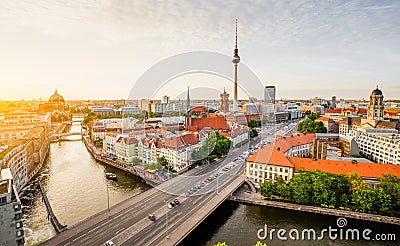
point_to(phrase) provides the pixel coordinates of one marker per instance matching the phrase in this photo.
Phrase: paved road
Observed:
(127, 222)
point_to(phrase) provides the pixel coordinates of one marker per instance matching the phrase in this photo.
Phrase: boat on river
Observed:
(111, 176)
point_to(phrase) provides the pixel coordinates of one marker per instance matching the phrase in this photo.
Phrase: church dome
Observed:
(56, 98)
(376, 92)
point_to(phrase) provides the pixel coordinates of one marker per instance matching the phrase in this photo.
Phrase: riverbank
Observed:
(152, 179)
(256, 199)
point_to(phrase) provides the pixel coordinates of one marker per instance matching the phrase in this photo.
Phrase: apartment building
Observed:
(11, 226)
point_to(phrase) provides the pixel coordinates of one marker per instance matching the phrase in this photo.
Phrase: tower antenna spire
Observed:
(236, 34)
(235, 60)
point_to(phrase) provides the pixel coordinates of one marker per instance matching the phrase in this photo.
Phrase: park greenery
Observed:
(253, 124)
(215, 145)
(158, 165)
(348, 192)
(135, 161)
(310, 125)
(98, 142)
(152, 166)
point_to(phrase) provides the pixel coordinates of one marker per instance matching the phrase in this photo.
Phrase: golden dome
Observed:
(56, 98)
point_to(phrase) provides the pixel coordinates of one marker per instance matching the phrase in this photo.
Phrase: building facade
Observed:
(11, 223)
(269, 94)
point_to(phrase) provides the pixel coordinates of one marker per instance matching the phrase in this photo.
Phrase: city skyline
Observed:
(305, 49)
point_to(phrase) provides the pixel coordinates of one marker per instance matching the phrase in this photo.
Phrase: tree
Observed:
(152, 166)
(215, 144)
(356, 182)
(135, 161)
(281, 188)
(300, 187)
(311, 126)
(391, 185)
(162, 161)
(98, 142)
(267, 189)
(254, 123)
(313, 116)
(253, 133)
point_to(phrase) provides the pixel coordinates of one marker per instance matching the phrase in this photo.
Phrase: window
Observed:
(3, 200)
(286, 170)
(18, 225)
(18, 216)
(20, 233)
(280, 169)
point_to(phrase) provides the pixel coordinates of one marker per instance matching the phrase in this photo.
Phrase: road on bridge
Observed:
(127, 223)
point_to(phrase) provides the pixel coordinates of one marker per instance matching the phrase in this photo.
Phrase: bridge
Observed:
(58, 227)
(127, 223)
(66, 134)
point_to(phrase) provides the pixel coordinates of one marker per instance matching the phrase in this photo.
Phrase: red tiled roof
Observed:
(323, 118)
(180, 141)
(362, 110)
(367, 170)
(285, 143)
(216, 123)
(270, 156)
(198, 109)
(335, 111)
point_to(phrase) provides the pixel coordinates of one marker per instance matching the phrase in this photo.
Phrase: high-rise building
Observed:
(11, 226)
(333, 102)
(235, 61)
(316, 101)
(269, 94)
(165, 99)
(224, 108)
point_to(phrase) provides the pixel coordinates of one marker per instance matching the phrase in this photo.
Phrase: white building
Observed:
(382, 145)
(178, 151)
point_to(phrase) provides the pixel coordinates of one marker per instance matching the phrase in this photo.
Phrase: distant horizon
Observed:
(93, 49)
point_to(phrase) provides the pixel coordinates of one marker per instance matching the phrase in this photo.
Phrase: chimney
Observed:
(279, 148)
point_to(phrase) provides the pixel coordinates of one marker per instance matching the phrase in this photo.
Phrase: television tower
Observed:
(235, 60)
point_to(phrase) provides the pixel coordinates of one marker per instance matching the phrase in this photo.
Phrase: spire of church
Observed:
(188, 102)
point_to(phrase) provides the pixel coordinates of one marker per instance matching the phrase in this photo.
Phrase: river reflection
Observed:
(237, 224)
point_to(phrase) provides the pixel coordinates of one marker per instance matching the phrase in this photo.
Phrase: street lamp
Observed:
(217, 180)
(166, 219)
(108, 200)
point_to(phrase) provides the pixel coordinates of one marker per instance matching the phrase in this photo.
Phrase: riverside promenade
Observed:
(256, 199)
(152, 179)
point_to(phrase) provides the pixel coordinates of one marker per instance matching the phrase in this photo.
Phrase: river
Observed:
(77, 189)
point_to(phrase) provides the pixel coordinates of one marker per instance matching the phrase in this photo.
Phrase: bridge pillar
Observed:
(250, 184)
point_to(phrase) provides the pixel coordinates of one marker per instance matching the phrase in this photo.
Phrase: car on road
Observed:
(176, 201)
(171, 205)
(152, 217)
(110, 243)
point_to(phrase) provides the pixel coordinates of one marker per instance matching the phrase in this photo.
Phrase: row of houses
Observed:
(176, 141)
(279, 159)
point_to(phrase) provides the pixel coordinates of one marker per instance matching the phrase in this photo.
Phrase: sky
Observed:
(99, 49)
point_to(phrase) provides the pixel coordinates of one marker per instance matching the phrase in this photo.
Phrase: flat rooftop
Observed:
(34, 132)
